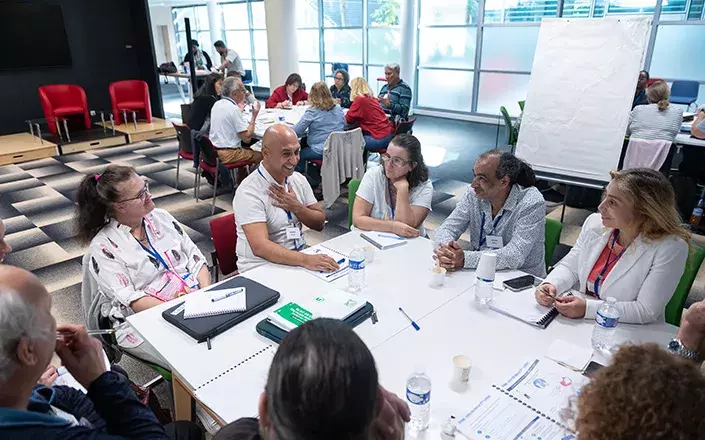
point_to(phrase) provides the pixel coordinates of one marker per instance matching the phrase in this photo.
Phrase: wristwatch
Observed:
(676, 347)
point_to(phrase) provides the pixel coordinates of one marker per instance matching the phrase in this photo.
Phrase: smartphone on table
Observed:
(520, 283)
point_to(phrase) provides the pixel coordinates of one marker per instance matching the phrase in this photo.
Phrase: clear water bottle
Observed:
(280, 117)
(418, 394)
(356, 275)
(605, 326)
(484, 290)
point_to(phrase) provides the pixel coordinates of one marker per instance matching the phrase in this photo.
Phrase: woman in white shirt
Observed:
(395, 197)
(657, 121)
(634, 250)
(138, 256)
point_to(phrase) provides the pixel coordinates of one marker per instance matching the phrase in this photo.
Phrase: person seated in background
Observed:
(201, 60)
(138, 256)
(230, 132)
(659, 120)
(322, 118)
(341, 88)
(503, 212)
(322, 385)
(288, 94)
(229, 61)
(396, 197)
(698, 129)
(28, 339)
(272, 204)
(640, 93)
(5, 247)
(366, 112)
(644, 393)
(395, 96)
(634, 250)
(203, 101)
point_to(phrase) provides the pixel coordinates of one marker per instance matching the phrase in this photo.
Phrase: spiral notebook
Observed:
(522, 305)
(202, 304)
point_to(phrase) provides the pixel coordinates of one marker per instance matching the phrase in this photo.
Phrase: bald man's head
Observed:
(22, 282)
(280, 151)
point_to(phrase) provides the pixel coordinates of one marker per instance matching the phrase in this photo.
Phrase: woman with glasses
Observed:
(138, 256)
(340, 88)
(397, 196)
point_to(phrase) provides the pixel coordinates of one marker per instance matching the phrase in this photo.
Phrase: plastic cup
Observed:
(438, 276)
(461, 368)
(369, 254)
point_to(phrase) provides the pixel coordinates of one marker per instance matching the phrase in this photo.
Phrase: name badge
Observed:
(495, 241)
(293, 233)
(191, 281)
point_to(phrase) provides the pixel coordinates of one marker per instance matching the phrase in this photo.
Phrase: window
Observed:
(448, 12)
(509, 48)
(501, 89)
(674, 51)
(244, 24)
(342, 13)
(513, 11)
(198, 19)
(307, 14)
(343, 45)
(310, 73)
(447, 47)
(445, 89)
(308, 45)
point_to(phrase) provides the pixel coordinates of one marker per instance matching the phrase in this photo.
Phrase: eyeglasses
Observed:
(339, 78)
(396, 161)
(142, 195)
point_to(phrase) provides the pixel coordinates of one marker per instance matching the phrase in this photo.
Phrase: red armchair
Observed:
(59, 101)
(131, 95)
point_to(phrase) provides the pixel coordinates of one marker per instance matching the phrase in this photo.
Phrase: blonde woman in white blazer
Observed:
(634, 250)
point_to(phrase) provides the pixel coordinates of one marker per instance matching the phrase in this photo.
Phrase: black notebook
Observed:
(259, 297)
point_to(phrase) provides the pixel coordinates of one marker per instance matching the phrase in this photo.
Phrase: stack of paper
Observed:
(215, 302)
(383, 240)
(569, 355)
(338, 304)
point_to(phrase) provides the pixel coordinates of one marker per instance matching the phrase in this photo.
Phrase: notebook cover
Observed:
(259, 297)
(276, 334)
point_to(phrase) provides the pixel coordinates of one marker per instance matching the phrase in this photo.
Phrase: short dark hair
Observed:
(219, 43)
(645, 73)
(208, 87)
(346, 75)
(322, 384)
(412, 146)
(194, 43)
(516, 169)
(294, 78)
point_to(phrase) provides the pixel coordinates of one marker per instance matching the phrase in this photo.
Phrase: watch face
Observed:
(673, 345)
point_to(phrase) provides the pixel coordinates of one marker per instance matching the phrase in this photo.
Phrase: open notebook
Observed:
(522, 305)
(342, 260)
(383, 240)
(226, 301)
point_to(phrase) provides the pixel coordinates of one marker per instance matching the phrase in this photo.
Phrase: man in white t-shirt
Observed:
(229, 128)
(230, 60)
(273, 203)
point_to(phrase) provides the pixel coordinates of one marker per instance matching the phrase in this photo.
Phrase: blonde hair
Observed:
(359, 87)
(653, 201)
(658, 93)
(320, 97)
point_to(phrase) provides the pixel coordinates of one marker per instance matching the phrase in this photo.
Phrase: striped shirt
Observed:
(650, 123)
(399, 99)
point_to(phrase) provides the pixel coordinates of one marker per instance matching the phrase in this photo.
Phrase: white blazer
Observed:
(642, 281)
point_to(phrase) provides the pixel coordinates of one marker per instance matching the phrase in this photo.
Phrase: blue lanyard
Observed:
(483, 239)
(286, 182)
(151, 251)
(389, 191)
(601, 276)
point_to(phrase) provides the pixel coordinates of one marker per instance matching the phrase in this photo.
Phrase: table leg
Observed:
(183, 402)
(565, 201)
(181, 90)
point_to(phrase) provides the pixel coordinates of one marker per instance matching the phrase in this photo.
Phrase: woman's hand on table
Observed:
(571, 306)
(545, 294)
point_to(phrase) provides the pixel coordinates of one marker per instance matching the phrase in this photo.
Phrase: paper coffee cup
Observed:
(461, 368)
(486, 266)
(438, 276)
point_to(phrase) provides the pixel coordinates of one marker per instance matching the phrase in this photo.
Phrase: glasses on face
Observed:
(395, 161)
(142, 195)
(339, 78)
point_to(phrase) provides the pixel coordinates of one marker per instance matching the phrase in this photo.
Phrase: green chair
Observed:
(674, 308)
(553, 236)
(512, 134)
(521, 105)
(353, 185)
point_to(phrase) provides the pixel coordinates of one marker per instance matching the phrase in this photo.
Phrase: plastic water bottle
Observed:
(484, 281)
(356, 275)
(280, 117)
(484, 291)
(418, 394)
(605, 326)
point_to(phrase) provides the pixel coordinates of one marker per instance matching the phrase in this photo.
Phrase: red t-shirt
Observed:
(600, 264)
(279, 95)
(368, 114)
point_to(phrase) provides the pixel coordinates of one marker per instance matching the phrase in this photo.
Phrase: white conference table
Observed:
(269, 116)
(183, 75)
(450, 324)
(685, 139)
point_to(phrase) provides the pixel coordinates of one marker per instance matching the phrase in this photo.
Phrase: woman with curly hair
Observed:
(646, 394)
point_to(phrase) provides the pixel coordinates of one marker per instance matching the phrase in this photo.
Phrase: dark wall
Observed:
(110, 40)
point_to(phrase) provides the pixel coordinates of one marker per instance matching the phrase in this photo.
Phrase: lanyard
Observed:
(286, 182)
(389, 191)
(151, 251)
(483, 239)
(601, 276)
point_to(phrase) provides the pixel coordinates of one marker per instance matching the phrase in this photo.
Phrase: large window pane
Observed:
(179, 14)
(307, 14)
(576, 8)
(445, 89)
(678, 52)
(310, 73)
(384, 46)
(509, 48)
(201, 18)
(204, 41)
(342, 13)
(308, 45)
(343, 45)
(374, 72)
(261, 51)
(181, 45)
(447, 47)
(262, 79)
(235, 16)
(239, 41)
(434, 12)
(501, 89)
(510, 11)
(383, 12)
(258, 18)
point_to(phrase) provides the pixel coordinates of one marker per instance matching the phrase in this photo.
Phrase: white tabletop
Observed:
(199, 73)
(686, 139)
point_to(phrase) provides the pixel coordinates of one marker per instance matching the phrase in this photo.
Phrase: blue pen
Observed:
(413, 324)
(392, 237)
(228, 295)
(341, 261)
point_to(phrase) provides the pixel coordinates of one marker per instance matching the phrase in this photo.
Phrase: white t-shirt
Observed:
(234, 62)
(227, 120)
(252, 204)
(373, 189)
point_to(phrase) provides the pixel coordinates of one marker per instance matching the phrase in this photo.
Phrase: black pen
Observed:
(208, 342)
